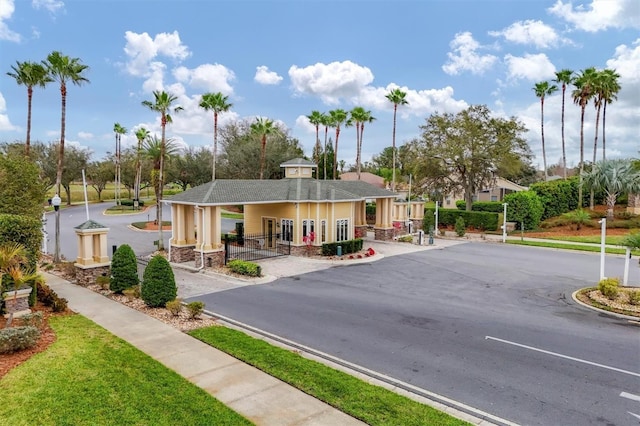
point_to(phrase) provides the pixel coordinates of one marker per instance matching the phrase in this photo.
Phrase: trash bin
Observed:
(339, 250)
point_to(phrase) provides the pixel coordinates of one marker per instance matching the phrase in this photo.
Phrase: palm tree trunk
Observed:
(27, 144)
(335, 155)
(544, 152)
(324, 168)
(604, 115)
(138, 173)
(595, 149)
(564, 152)
(393, 174)
(160, 185)
(215, 145)
(63, 93)
(358, 149)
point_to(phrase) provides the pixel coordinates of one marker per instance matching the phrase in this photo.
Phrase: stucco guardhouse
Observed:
(298, 210)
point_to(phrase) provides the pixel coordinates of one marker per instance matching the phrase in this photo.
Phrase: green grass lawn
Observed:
(229, 215)
(371, 404)
(611, 240)
(568, 246)
(91, 377)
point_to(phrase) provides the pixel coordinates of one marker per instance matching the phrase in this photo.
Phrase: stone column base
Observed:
(306, 251)
(17, 302)
(212, 259)
(86, 275)
(384, 234)
(360, 231)
(181, 254)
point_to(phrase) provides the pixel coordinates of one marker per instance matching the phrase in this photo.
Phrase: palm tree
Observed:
(396, 97)
(610, 87)
(162, 103)
(29, 74)
(315, 118)
(325, 120)
(158, 153)
(581, 97)
(614, 177)
(262, 128)
(360, 116)
(216, 102)
(543, 89)
(338, 117)
(63, 69)
(564, 77)
(119, 131)
(141, 135)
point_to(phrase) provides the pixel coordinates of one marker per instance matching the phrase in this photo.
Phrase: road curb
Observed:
(602, 311)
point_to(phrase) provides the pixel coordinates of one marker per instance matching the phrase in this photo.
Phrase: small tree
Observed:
(525, 208)
(124, 269)
(460, 227)
(158, 283)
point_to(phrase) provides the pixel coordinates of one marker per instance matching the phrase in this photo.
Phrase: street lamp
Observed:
(55, 202)
(603, 237)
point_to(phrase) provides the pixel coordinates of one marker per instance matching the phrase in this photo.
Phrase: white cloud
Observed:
(264, 76)
(208, 77)
(302, 122)
(85, 135)
(52, 6)
(331, 82)
(532, 32)
(626, 62)
(141, 50)
(465, 58)
(6, 11)
(420, 102)
(529, 67)
(5, 123)
(599, 15)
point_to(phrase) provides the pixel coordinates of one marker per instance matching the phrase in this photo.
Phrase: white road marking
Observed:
(634, 415)
(630, 396)
(631, 373)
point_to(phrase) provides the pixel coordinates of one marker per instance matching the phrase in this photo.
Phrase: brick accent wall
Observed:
(87, 276)
(360, 231)
(212, 259)
(304, 251)
(182, 254)
(18, 304)
(384, 234)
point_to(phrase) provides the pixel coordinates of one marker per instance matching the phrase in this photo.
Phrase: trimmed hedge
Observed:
(245, 268)
(129, 203)
(23, 230)
(158, 283)
(124, 269)
(482, 206)
(557, 196)
(524, 207)
(349, 246)
(484, 221)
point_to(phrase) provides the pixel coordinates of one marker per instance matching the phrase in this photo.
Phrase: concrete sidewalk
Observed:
(255, 395)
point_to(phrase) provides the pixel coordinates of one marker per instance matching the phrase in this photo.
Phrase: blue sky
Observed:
(283, 59)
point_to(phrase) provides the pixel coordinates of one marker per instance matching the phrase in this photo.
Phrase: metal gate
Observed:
(254, 246)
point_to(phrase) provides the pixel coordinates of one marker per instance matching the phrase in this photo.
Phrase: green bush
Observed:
(23, 230)
(634, 297)
(478, 220)
(129, 203)
(14, 339)
(33, 319)
(371, 209)
(174, 307)
(428, 222)
(245, 268)
(482, 206)
(349, 246)
(124, 269)
(158, 283)
(405, 239)
(132, 292)
(609, 287)
(22, 191)
(195, 309)
(460, 227)
(524, 207)
(50, 298)
(578, 217)
(104, 282)
(557, 196)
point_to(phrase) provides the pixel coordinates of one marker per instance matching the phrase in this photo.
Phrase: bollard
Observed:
(339, 250)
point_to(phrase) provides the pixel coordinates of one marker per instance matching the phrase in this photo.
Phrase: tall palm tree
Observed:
(63, 69)
(325, 120)
(360, 116)
(216, 102)
(141, 135)
(262, 128)
(541, 90)
(338, 117)
(581, 96)
(315, 118)
(564, 77)
(162, 103)
(611, 87)
(396, 97)
(29, 74)
(159, 154)
(119, 130)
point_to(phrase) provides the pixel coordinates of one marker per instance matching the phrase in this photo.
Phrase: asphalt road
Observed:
(489, 325)
(119, 231)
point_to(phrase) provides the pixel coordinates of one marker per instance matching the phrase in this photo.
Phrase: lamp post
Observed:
(55, 202)
(603, 236)
(436, 215)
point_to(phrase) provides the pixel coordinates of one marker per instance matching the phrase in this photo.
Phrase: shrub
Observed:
(124, 269)
(524, 207)
(158, 283)
(634, 297)
(406, 239)
(132, 292)
(349, 246)
(609, 287)
(481, 206)
(460, 227)
(129, 203)
(104, 282)
(557, 196)
(428, 222)
(478, 220)
(578, 217)
(14, 339)
(245, 268)
(195, 309)
(174, 307)
(23, 230)
(33, 319)
(50, 298)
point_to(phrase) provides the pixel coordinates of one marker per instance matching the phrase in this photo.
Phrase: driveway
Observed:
(492, 326)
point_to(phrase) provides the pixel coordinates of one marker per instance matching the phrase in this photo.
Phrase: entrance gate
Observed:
(254, 246)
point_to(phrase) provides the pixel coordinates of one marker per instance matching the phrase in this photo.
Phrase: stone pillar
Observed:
(17, 302)
(93, 255)
(212, 259)
(384, 226)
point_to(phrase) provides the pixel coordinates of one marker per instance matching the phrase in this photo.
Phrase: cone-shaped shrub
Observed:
(158, 283)
(124, 269)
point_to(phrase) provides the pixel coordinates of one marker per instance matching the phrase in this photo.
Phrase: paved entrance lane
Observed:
(424, 318)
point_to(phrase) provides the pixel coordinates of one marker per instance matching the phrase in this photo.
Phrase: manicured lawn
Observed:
(371, 404)
(611, 240)
(90, 377)
(229, 215)
(568, 246)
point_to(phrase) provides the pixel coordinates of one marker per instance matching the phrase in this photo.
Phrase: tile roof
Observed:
(90, 224)
(225, 192)
(298, 162)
